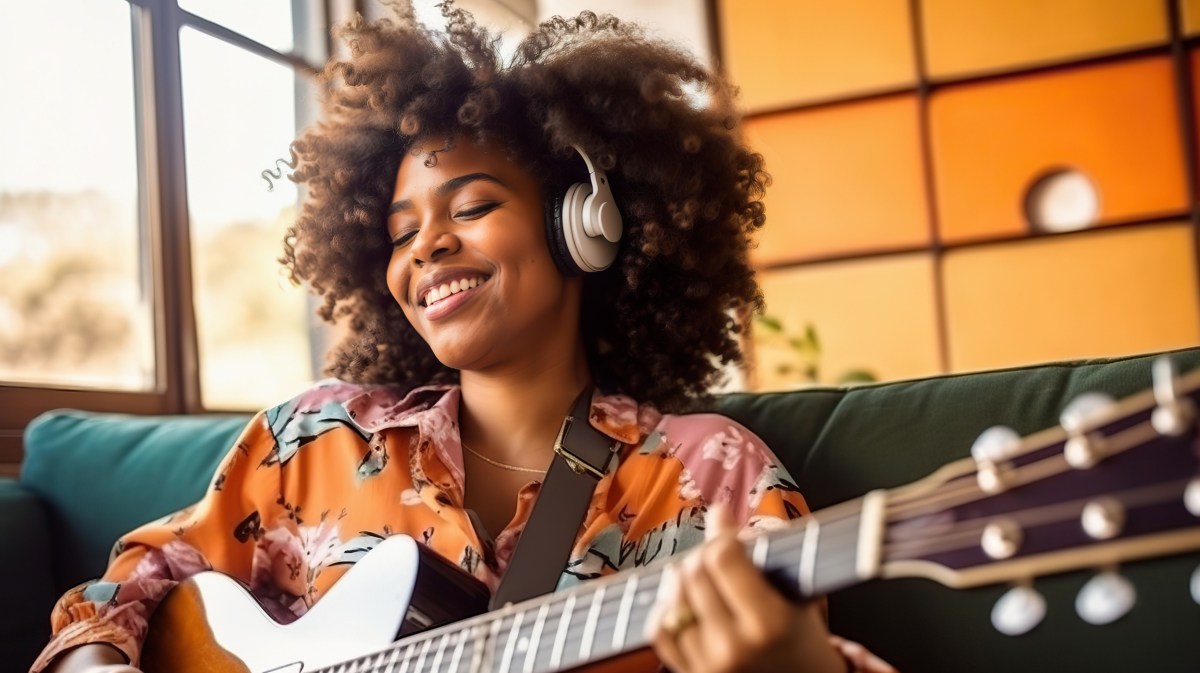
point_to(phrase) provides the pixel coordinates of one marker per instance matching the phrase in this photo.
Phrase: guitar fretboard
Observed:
(607, 617)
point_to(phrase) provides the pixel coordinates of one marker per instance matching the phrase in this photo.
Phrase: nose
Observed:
(433, 241)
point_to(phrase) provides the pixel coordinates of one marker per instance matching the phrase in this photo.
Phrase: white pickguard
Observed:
(361, 614)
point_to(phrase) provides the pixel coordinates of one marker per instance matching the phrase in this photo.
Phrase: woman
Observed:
(471, 320)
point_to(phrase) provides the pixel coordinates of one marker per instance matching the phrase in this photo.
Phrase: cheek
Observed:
(397, 279)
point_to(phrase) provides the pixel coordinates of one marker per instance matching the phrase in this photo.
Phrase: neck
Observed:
(513, 415)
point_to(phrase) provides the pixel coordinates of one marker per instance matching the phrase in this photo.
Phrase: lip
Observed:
(441, 277)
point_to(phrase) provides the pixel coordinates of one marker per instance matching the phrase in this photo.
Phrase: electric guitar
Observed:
(1116, 481)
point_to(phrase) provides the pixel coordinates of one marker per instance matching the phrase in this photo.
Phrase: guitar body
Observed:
(211, 624)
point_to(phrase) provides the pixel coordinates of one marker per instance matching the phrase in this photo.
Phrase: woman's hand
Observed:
(718, 614)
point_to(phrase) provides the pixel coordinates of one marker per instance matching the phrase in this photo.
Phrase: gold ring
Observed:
(677, 621)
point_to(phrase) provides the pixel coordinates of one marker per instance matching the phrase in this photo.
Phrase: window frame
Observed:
(163, 218)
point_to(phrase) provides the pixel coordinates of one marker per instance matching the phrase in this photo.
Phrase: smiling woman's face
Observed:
(470, 266)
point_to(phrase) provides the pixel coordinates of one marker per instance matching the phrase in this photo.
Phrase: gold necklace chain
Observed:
(503, 466)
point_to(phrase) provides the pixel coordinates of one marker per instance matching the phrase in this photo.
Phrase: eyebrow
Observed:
(447, 187)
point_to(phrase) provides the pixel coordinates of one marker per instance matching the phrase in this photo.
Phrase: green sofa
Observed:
(89, 477)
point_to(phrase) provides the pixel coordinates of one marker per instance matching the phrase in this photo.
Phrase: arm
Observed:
(220, 532)
(92, 658)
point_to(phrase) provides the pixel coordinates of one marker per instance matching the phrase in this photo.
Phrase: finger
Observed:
(750, 600)
(700, 589)
(718, 521)
(860, 657)
(668, 599)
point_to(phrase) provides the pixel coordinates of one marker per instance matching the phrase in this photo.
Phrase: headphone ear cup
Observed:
(556, 239)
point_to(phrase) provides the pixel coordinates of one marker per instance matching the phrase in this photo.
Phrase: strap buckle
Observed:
(579, 465)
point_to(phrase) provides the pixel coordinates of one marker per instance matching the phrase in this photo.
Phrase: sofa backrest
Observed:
(840, 444)
(103, 474)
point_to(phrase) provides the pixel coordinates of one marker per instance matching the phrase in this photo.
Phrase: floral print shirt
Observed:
(316, 482)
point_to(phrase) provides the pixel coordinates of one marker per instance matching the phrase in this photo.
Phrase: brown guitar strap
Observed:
(582, 455)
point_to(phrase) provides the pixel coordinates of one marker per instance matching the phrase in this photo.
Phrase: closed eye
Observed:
(404, 238)
(475, 212)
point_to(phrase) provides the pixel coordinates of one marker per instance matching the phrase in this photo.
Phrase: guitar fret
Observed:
(477, 651)
(441, 651)
(407, 660)
(808, 558)
(511, 643)
(622, 626)
(589, 629)
(561, 635)
(458, 649)
(489, 645)
(391, 665)
(420, 665)
(535, 638)
(761, 545)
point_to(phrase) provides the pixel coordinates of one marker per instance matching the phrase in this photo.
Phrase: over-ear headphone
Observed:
(583, 226)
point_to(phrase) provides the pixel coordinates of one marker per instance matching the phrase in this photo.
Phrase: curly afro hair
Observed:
(663, 321)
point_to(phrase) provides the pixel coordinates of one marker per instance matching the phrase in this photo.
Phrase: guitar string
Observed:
(609, 616)
(968, 533)
(965, 488)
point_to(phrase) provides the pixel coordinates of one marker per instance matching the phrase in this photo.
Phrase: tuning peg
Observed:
(1105, 598)
(1196, 585)
(1083, 409)
(991, 449)
(1019, 610)
(1191, 497)
(1173, 413)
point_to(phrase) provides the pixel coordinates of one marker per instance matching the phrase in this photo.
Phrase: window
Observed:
(131, 199)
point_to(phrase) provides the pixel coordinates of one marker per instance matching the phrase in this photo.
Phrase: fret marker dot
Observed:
(523, 644)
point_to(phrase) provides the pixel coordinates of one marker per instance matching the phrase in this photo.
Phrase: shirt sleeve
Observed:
(221, 531)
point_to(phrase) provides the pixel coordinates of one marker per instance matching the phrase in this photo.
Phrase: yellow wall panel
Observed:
(1103, 293)
(973, 36)
(782, 52)
(1116, 123)
(846, 178)
(874, 314)
(1189, 11)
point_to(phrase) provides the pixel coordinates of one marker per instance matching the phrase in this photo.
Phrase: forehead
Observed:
(431, 162)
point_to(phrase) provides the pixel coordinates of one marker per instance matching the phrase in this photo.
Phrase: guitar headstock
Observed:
(1115, 482)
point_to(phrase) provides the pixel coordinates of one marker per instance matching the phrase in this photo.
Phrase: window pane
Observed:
(265, 21)
(240, 114)
(74, 309)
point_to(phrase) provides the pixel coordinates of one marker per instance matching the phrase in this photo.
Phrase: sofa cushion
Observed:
(101, 475)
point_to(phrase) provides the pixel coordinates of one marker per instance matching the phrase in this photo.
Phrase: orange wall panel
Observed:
(1096, 294)
(973, 36)
(782, 52)
(1117, 123)
(846, 178)
(872, 314)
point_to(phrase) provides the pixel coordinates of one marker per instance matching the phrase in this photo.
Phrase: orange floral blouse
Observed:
(316, 482)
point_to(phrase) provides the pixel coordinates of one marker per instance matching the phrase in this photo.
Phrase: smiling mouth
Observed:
(446, 290)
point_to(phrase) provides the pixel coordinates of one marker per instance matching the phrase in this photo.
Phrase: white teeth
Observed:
(453, 287)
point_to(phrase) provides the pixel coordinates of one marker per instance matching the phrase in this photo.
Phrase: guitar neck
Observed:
(607, 617)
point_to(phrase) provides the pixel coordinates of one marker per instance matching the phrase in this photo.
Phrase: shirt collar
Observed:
(619, 417)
